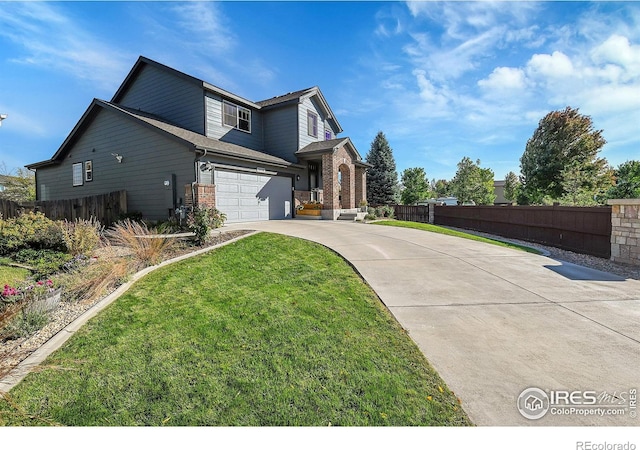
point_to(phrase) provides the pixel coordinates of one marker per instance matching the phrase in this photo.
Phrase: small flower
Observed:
(440, 389)
(429, 398)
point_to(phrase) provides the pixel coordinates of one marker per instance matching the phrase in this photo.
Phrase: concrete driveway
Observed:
(495, 322)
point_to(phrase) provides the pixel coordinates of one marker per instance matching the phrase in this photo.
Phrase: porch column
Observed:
(361, 185)
(330, 184)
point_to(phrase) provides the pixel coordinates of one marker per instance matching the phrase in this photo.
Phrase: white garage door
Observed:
(246, 197)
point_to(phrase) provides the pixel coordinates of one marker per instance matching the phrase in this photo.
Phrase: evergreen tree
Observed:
(511, 186)
(382, 178)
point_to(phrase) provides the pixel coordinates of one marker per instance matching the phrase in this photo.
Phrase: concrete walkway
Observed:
(494, 322)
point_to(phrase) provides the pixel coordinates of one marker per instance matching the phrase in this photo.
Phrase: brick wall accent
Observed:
(361, 185)
(329, 180)
(625, 230)
(354, 177)
(205, 195)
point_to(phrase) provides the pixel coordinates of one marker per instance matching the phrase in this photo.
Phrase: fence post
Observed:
(432, 213)
(625, 230)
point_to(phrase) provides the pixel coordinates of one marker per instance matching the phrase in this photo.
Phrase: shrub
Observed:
(385, 211)
(81, 237)
(43, 262)
(202, 220)
(29, 230)
(148, 250)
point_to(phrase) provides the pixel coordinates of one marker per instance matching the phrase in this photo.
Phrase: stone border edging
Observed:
(18, 373)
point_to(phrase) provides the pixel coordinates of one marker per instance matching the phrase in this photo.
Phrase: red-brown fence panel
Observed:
(578, 229)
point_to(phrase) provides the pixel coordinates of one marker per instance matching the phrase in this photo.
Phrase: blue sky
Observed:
(442, 80)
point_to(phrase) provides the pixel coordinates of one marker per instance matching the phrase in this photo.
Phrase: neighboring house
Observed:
(4, 179)
(498, 189)
(170, 139)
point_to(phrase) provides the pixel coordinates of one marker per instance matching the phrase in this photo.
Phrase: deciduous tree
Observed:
(563, 138)
(627, 177)
(473, 183)
(19, 186)
(416, 186)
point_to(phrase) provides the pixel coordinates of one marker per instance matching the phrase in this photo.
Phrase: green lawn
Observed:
(450, 232)
(11, 275)
(270, 330)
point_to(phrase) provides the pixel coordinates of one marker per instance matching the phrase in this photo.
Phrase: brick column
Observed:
(329, 182)
(205, 195)
(361, 185)
(625, 230)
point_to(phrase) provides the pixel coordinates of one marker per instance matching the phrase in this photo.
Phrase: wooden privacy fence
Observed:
(582, 230)
(9, 209)
(107, 208)
(412, 213)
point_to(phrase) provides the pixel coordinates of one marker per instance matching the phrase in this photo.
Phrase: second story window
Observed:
(312, 124)
(88, 171)
(236, 116)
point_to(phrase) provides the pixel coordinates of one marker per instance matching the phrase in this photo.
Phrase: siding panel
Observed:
(171, 97)
(305, 139)
(148, 160)
(216, 130)
(281, 132)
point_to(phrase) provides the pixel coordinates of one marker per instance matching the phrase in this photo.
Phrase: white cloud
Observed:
(433, 99)
(504, 79)
(556, 65)
(617, 50)
(55, 41)
(206, 26)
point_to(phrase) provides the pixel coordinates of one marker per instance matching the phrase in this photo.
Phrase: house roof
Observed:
(299, 96)
(142, 61)
(195, 141)
(321, 147)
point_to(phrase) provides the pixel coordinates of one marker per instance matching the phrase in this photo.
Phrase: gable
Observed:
(157, 89)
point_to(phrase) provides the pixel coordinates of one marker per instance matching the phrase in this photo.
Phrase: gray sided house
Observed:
(172, 140)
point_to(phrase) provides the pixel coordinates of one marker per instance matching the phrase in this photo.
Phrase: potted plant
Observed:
(363, 205)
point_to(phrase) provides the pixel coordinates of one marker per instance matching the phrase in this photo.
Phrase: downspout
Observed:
(197, 177)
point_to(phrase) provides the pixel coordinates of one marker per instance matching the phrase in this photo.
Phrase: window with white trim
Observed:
(312, 123)
(236, 116)
(88, 171)
(77, 174)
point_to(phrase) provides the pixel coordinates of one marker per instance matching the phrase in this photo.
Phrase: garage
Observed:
(251, 196)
